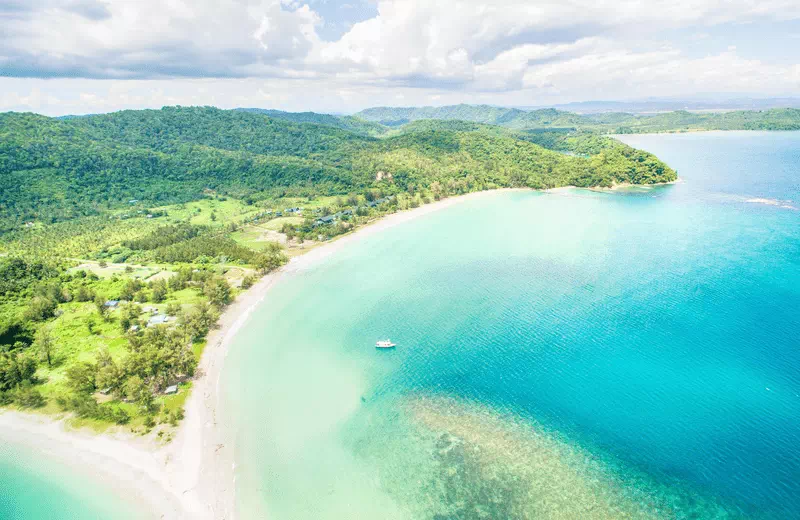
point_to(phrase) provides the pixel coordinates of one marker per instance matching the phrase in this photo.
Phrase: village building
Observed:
(158, 319)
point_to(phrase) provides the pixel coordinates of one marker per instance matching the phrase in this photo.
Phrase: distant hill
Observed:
(603, 122)
(773, 119)
(544, 118)
(475, 113)
(651, 106)
(486, 114)
(351, 123)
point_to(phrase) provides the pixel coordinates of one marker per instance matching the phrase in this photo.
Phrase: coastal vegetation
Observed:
(124, 236)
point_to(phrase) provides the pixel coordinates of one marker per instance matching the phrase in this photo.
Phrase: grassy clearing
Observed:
(277, 223)
(76, 342)
(142, 272)
(209, 212)
(250, 236)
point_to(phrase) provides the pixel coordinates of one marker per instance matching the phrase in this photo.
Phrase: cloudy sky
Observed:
(85, 56)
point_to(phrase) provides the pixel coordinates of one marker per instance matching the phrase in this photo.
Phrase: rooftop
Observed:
(158, 319)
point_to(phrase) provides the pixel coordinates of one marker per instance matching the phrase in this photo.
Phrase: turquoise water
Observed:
(574, 354)
(33, 486)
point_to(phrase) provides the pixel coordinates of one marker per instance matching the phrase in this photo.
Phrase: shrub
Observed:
(26, 396)
(41, 308)
(248, 281)
(86, 407)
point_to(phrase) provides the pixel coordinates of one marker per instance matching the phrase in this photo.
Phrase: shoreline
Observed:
(193, 476)
(615, 187)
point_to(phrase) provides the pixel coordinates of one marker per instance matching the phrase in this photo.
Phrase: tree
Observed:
(83, 294)
(158, 291)
(248, 281)
(218, 291)
(197, 321)
(81, 377)
(136, 390)
(45, 344)
(108, 374)
(41, 308)
(176, 283)
(128, 315)
(90, 324)
(26, 396)
(100, 305)
(129, 290)
(15, 368)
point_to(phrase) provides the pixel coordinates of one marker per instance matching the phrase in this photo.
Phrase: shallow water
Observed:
(575, 353)
(34, 486)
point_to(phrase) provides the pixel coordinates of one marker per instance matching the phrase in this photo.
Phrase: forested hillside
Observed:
(508, 117)
(615, 122)
(61, 169)
(774, 119)
(351, 123)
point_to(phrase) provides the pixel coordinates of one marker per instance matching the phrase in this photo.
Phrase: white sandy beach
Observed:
(194, 475)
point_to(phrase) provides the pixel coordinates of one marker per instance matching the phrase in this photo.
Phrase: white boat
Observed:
(385, 344)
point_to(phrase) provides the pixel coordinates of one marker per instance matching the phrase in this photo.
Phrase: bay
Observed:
(629, 353)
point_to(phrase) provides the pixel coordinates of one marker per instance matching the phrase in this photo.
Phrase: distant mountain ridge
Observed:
(486, 114)
(652, 106)
(604, 122)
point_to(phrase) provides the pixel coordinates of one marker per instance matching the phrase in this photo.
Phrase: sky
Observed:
(87, 56)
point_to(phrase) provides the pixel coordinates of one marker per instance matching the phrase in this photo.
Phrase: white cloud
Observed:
(660, 73)
(447, 50)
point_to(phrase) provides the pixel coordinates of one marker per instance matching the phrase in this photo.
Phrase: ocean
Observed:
(574, 354)
(34, 486)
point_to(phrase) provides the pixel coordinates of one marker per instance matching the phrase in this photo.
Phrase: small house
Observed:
(171, 390)
(325, 220)
(111, 304)
(158, 319)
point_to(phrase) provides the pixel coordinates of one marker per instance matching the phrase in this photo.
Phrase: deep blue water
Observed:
(653, 332)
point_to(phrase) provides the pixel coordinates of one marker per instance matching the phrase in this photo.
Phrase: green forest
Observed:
(62, 169)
